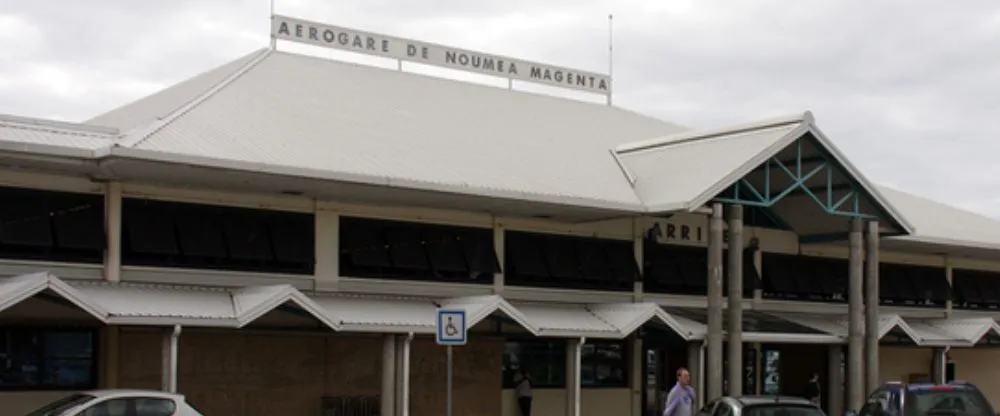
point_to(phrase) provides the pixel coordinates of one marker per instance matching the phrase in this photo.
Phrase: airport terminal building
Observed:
(275, 236)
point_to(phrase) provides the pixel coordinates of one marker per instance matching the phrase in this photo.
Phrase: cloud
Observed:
(907, 89)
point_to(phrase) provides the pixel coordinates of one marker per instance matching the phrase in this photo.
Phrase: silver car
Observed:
(760, 406)
(119, 402)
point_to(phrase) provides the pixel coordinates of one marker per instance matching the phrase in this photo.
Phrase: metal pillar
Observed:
(574, 349)
(939, 363)
(388, 397)
(735, 329)
(835, 380)
(871, 308)
(695, 368)
(856, 323)
(714, 336)
(169, 360)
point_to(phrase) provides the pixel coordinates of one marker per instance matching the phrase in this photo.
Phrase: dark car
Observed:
(760, 406)
(956, 398)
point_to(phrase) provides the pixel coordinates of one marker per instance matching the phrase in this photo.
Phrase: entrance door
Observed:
(652, 381)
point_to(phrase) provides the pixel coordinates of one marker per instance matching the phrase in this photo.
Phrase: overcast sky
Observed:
(908, 89)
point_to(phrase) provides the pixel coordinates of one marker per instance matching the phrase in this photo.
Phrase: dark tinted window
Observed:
(56, 226)
(947, 401)
(406, 250)
(778, 409)
(544, 260)
(168, 234)
(47, 359)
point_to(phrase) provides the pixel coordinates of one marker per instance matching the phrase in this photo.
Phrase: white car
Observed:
(119, 402)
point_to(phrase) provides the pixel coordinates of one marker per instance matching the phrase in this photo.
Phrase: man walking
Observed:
(680, 400)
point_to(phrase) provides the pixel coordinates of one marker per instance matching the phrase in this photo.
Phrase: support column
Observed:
(636, 373)
(856, 322)
(388, 397)
(697, 371)
(835, 380)
(949, 305)
(735, 310)
(638, 251)
(498, 246)
(403, 375)
(871, 308)
(714, 336)
(938, 365)
(169, 359)
(113, 231)
(573, 355)
(110, 352)
(327, 270)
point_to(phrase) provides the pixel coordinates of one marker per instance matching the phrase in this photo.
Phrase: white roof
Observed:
(954, 331)
(156, 304)
(959, 227)
(17, 289)
(31, 134)
(837, 325)
(388, 314)
(319, 118)
(684, 171)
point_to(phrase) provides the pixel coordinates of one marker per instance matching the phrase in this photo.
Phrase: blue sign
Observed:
(451, 327)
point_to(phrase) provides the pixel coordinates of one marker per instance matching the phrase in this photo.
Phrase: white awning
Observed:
(837, 325)
(15, 290)
(955, 332)
(165, 305)
(605, 320)
(387, 314)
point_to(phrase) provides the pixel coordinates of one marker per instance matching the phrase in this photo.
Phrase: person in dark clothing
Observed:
(523, 390)
(812, 391)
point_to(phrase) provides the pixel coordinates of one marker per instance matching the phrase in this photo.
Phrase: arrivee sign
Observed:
(297, 30)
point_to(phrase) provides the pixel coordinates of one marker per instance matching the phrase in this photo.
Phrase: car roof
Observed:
(751, 400)
(133, 392)
(923, 385)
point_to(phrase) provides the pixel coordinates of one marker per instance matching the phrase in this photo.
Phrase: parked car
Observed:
(119, 402)
(956, 398)
(761, 406)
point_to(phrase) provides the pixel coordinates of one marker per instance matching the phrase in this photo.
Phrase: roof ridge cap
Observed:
(138, 135)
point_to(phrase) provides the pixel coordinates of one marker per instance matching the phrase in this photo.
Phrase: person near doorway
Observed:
(522, 388)
(680, 400)
(812, 391)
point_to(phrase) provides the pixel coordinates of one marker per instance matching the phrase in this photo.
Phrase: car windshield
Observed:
(947, 401)
(780, 409)
(57, 407)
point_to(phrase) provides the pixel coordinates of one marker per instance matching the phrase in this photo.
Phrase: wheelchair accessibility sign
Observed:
(451, 329)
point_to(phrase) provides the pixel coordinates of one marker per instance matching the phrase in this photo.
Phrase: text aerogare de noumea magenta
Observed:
(297, 30)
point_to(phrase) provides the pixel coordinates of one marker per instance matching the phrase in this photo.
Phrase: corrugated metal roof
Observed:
(672, 173)
(955, 331)
(17, 289)
(628, 317)
(380, 314)
(386, 314)
(963, 228)
(397, 127)
(837, 325)
(29, 131)
(134, 302)
(152, 108)
(567, 321)
(157, 304)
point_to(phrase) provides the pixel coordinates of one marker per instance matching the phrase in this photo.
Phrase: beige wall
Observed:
(255, 373)
(979, 366)
(899, 363)
(593, 402)
(20, 403)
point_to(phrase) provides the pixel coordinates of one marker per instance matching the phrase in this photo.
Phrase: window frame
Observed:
(507, 379)
(625, 367)
(41, 331)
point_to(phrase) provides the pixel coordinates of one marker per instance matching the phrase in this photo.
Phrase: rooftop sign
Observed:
(297, 30)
